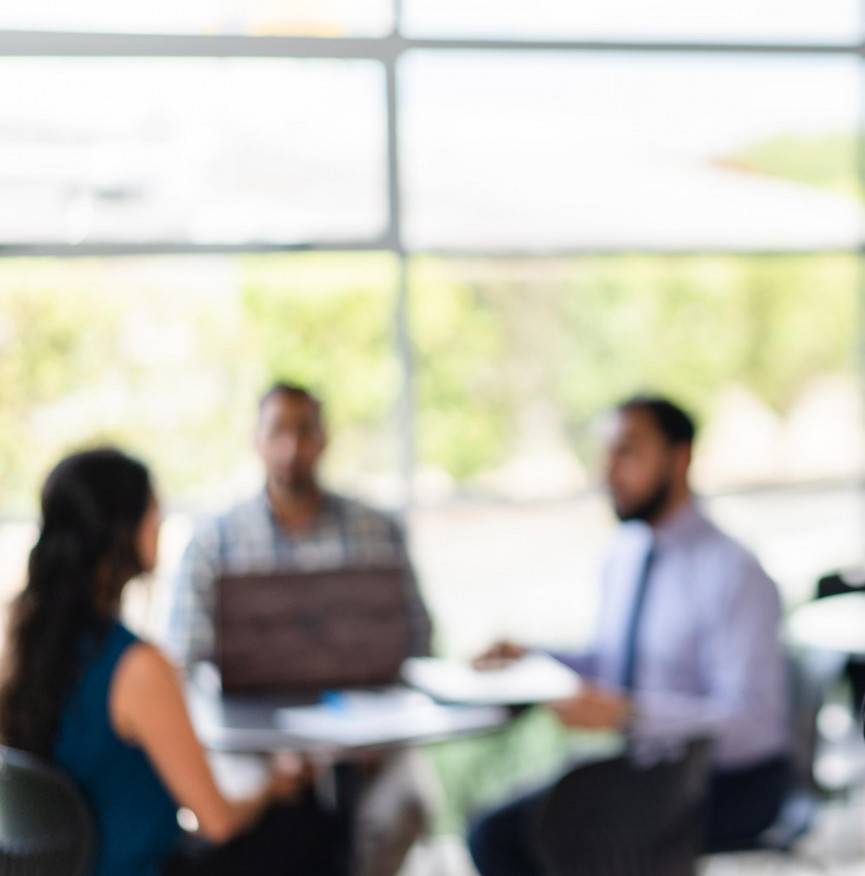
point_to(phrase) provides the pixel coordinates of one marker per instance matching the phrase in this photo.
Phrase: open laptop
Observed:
(304, 631)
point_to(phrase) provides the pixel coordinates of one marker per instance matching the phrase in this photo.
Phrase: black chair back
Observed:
(619, 818)
(836, 583)
(46, 828)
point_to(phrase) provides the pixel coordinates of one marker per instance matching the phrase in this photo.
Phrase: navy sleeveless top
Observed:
(135, 816)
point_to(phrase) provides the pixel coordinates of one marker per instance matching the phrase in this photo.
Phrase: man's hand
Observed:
(594, 708)
(499, 655)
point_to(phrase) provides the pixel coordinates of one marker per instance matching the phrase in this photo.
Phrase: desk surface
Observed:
(835, 623)
(249, 723)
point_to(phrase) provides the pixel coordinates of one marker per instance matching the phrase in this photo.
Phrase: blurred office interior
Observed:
(471, 227)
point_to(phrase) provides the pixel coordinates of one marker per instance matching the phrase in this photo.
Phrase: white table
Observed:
(251, 724)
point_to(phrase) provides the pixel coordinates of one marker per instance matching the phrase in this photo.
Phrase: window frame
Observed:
(388, 50)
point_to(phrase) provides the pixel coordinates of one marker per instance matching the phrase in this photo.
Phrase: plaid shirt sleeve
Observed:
(419, 624)
(191, 621)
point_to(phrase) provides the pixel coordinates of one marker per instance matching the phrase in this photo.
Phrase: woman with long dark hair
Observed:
(81, 690)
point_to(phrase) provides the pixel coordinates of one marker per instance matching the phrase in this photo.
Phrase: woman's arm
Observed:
(147, 708)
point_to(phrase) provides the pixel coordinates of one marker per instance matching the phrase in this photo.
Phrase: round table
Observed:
(835, 623)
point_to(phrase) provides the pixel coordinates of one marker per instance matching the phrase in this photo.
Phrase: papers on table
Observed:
(535, 678)
(370, 718)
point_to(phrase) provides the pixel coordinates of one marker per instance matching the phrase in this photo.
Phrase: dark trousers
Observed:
(291, 840)
(740, 804)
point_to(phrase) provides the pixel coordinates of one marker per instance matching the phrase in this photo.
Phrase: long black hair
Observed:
(93, 504)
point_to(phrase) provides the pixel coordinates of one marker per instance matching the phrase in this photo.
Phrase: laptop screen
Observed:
(311, 630)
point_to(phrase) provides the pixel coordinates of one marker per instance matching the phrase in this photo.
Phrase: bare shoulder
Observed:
(144, 664)
(143, 680)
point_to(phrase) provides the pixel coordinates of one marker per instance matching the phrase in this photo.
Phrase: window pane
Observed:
(516, 360)
(191, 151)
(253, 17)
(167, 356)
(529, 151)
(734, 21)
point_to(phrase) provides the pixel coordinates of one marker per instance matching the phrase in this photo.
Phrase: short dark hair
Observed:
(291, 390)
(677, 426)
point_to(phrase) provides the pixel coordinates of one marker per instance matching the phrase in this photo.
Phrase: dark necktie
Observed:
(629, 663)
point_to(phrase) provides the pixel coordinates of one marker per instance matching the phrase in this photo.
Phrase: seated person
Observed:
(686, 644)
(291, 524)
(79, 689)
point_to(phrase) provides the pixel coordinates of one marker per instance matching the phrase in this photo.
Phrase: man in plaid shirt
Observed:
(293, 524)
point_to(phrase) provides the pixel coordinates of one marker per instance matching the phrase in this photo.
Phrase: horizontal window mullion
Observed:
(66, 44)
(386, 245)
(125, 249)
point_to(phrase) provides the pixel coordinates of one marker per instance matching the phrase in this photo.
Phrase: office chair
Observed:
(45, 827)
(618, 818)
(811, 674)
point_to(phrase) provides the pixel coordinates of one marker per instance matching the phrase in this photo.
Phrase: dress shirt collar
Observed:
(327, 507)
(679, 527)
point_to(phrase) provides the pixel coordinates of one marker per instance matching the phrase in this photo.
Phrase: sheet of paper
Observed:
(535, 678)
(359, 718)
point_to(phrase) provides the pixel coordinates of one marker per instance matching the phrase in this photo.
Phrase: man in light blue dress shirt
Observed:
(686, 644)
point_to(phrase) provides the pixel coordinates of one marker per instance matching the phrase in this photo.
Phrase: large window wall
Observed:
(471, 226)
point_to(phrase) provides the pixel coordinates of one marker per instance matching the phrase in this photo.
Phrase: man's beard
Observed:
(649, 508)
